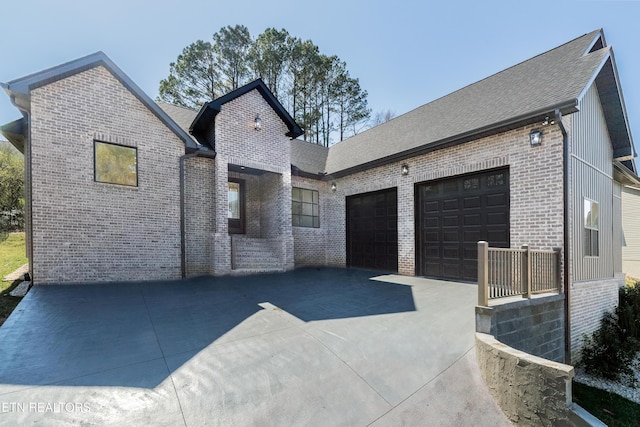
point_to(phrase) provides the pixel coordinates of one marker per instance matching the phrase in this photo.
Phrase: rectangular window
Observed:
(305, 210)
(234, 200)
(591, 228)
(115, 164)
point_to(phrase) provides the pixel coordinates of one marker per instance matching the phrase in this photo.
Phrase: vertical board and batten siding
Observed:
(617, 227)
(631, 232)
(592, 178)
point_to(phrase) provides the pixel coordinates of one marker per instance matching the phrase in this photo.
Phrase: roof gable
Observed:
(614, 110)
(19, 90)
(520, 95)
(208, 112)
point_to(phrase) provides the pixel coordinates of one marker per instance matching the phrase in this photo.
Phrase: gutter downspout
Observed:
(183, 227)
(566, 231)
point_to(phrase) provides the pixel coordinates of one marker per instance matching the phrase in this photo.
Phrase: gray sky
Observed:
(405, 53)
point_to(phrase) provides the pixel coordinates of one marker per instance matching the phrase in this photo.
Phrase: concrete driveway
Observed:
(320, 347)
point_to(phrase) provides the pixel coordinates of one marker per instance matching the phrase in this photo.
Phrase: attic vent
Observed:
(597, 45)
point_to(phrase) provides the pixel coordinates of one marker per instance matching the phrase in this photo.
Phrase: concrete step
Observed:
(248, 271)
(255, 255)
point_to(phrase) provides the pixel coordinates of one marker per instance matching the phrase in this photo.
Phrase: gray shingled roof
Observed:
(308, 157)
(183, 116)
(553, 80)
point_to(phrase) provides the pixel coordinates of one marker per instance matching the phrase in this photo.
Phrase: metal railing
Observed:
(510, 272)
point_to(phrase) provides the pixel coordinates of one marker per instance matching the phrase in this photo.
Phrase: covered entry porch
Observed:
(237, 217)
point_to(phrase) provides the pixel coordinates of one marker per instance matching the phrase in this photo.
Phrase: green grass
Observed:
(12, 251)
(611, 409)
(12, 255)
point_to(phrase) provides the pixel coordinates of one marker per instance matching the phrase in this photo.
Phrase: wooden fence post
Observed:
(526, 270)
(558, 260)
(483, 274)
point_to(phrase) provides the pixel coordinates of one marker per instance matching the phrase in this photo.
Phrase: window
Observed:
(591, 228)
(115, 164)
(234, 200)
(236, 213)
(304, 208)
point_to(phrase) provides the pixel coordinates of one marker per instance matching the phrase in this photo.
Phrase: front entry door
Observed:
(236, 206)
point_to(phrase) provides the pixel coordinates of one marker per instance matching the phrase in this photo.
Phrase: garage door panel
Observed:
(472, 202)
(450, 235)
(431, 222)
(497, 237)
(433, 269)
(473, 219)
(501, 199)
(454, 214)
(470, 252)
(431, 207)
(450, 205)
(470, 269)
(496, 218)
(432, 236)
(451, 252)
(473, 235)
(432, 251)
(450, 270)
(450, 221)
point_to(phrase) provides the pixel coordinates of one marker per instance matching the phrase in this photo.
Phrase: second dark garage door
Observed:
(453, 214)
(372, 230)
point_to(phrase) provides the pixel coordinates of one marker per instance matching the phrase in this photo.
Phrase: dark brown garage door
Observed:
(372, 230)
(453, 215)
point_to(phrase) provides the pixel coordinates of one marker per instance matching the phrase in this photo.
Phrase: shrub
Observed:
(628, 311)
(612, 349)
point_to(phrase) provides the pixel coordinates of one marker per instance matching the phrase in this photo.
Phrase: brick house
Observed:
(120, 187)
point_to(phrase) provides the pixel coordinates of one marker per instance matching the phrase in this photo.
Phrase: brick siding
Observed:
(310, 244)
(87, 231)
(589, 301)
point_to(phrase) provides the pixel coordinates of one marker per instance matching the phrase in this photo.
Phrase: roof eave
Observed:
(211, 109)
(20, 89)
(567, 107)
(627, 150)
(16, 133)
(622, 105)
(623, 175)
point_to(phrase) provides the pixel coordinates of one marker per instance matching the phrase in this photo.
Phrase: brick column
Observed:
(221, 250)
(406, 226)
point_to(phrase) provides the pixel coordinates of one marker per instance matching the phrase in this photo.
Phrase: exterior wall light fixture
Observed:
(257, 123)
(405, 169)
(334, 187)
(535, 138)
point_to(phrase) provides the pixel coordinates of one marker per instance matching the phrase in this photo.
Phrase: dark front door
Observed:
(372, 230)
(236, 206)
(453, 214)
